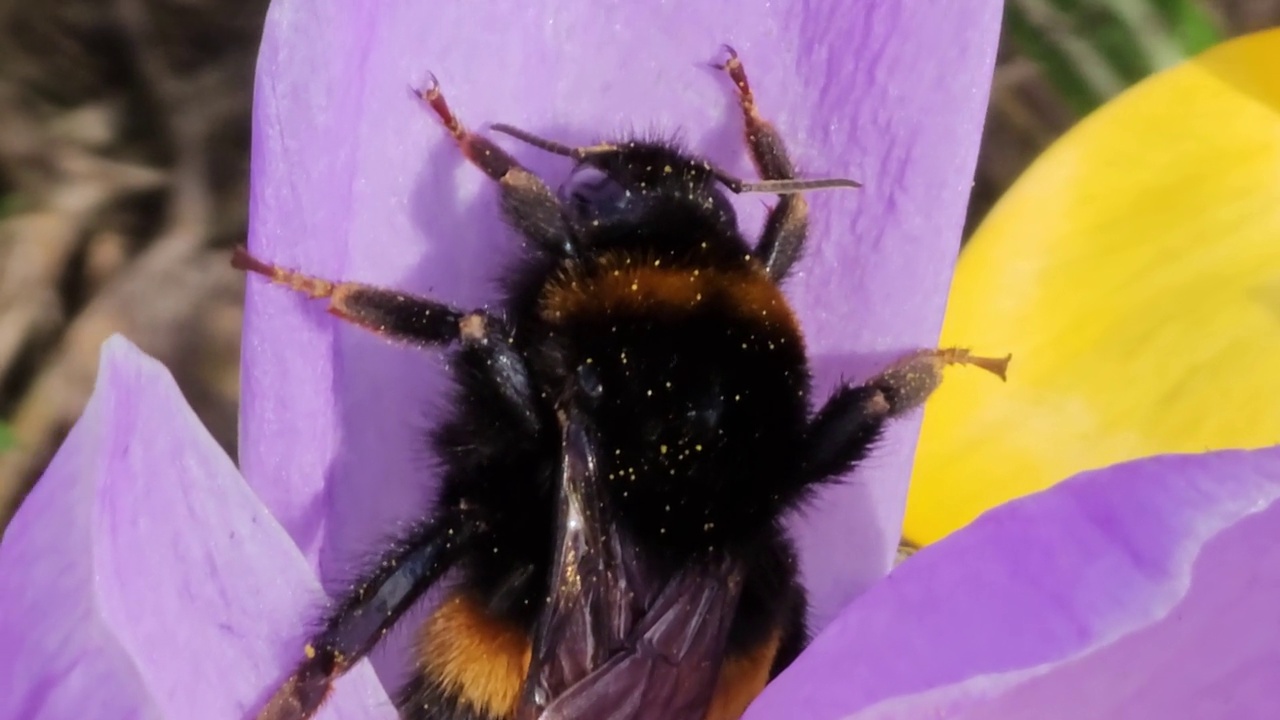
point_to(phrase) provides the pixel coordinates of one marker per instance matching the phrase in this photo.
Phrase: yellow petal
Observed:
(1134, 273)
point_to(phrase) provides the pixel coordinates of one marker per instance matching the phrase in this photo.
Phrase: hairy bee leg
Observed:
(367, 612)
(418, 321)
(787, 226)
(394, 314)
(479, 150)
(852, 419)
(527, 202)
(768, 151)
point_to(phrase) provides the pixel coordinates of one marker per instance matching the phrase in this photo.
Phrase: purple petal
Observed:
(353, 179)
(1143, 590)
(143, 579)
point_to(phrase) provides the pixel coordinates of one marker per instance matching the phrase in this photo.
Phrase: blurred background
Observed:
(124, 167)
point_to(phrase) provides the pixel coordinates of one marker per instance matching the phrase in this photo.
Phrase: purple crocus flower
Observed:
(354, 179)
(144, 577)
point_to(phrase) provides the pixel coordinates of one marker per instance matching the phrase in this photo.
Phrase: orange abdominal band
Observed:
(481, 660)
(623, 285)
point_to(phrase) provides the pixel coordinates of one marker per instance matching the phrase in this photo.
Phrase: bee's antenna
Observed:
(783, 187)
(551, 146)
(541, 143)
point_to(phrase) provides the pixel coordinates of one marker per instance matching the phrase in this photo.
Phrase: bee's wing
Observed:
(611, 644)
(669, 666)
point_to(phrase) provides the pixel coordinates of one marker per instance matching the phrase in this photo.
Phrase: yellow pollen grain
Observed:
(662, 449)
(309, 651)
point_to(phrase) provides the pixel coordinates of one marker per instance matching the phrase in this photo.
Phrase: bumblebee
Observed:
(628, 429)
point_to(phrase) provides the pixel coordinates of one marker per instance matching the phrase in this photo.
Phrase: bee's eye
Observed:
(591, 194)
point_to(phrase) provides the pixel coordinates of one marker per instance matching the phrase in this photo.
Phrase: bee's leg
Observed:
(419, 321)
(368, 611)
(787, 226)
(844, 429)
(396, 315)
(527, 202)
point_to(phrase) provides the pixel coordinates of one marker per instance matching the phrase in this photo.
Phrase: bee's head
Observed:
(636, 181)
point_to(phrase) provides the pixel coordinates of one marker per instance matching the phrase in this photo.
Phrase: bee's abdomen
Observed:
(469, 665)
